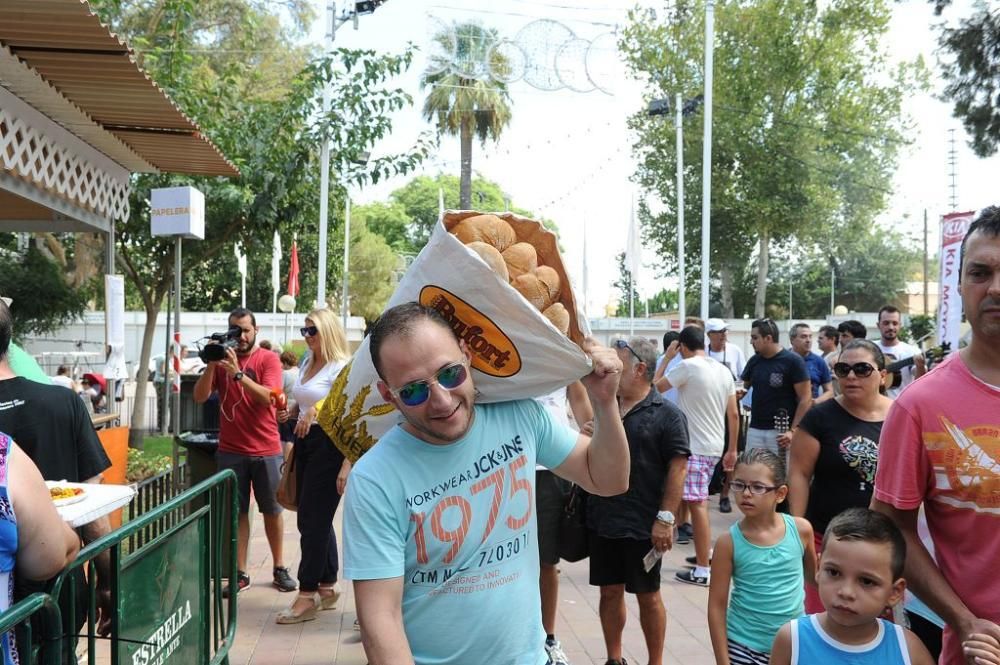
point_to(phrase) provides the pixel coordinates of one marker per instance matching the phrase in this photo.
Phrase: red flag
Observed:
(293, 271)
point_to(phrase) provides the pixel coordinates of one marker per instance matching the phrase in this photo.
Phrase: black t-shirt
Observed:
(773, 380)
(844, 476)
(656, 431)
(51, 425)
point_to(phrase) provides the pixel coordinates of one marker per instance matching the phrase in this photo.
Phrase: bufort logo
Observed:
(493, 353)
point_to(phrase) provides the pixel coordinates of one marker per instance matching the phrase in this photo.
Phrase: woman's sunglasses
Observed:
(416, 393)
(861, 370)
(309, 331)
(622, 344)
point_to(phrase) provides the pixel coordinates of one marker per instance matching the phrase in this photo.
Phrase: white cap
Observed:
(715, 325)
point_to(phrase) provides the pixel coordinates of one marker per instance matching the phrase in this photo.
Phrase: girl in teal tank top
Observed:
(766, 556)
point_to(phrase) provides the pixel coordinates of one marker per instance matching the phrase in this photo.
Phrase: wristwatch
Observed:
(666, 517)
(237, 376)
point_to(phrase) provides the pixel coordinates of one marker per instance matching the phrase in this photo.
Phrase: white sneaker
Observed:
(555, 653)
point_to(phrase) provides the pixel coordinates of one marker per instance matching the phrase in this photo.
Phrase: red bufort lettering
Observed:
(245, 427)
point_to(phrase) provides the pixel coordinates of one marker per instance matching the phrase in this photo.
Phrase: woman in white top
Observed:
(317, 461)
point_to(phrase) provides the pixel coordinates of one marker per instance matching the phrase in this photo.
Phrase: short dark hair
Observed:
(399, 321)
(869, 526)
(669, 338)
(768, 458)
(693, 338)
(870, 347)
(288, 358)
(856, 329)
(6, 329)
(794, 330)
(831, 332)
(242, 313)
(61, 370)
(889, 309)
(987, 223)
(766, 328)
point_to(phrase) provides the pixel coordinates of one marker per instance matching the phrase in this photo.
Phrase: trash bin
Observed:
(201, 447)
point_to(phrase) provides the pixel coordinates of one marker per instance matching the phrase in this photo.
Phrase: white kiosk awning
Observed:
(77, 117)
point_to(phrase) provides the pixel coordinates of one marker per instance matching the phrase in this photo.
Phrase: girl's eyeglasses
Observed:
(738, 487)
(622, 344)
(416, 393)
(861, 370)
(309, 331)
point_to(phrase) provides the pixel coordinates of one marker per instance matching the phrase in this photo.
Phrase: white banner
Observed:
(953, 230)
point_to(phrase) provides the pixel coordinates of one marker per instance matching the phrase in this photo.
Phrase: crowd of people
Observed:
(869, 501)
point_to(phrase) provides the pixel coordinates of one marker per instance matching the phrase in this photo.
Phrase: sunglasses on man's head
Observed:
(622, 344)
(861, 370)
(309, 331)
(448, 377)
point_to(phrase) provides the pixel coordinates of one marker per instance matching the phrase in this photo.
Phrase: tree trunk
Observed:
(138, 428)
(465, 191)
(726, 279)
(764, 248)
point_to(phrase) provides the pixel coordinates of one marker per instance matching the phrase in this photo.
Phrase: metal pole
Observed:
(706, 177)
(789, 302)
(165, 402)
(926, 301)
(681, 305)
(833, 281)
(324, 177)
(347, 254)
(176, 420)
(109, 257)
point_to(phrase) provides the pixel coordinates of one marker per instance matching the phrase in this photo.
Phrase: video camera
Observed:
(215, 349)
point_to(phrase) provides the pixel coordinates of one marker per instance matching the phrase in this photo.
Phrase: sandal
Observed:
(329, 602)
(288, 616)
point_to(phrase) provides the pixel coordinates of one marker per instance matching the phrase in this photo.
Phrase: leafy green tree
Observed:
(805, 138)
(624, 285)
(464, 106)
(972, 69)
(43, 300)
(373, 272)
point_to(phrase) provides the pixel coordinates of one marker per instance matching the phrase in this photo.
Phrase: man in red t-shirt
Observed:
(248, 437)
(940, 448)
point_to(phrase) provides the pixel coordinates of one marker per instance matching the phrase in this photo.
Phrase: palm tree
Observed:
(464, 98)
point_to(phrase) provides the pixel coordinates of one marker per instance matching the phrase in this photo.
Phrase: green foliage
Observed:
(143, 464)
(43, 302)
(806, 132)
(972, 68)
(921, 325)
(624, 286)
(463, 106)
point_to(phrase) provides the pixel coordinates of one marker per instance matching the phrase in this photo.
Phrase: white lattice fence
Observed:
(29, 154)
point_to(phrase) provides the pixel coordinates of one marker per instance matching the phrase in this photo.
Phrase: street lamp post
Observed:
(706, 178)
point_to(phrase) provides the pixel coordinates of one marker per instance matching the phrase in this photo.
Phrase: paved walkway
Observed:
(331, 639)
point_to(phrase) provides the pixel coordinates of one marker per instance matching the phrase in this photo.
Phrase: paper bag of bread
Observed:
(500, 281)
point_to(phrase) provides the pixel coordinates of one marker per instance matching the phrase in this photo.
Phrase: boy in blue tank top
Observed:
(860, 575)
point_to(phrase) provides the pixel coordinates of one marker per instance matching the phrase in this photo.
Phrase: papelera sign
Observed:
(177, 211)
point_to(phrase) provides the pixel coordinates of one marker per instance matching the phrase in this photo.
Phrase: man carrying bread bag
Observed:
(439, 521)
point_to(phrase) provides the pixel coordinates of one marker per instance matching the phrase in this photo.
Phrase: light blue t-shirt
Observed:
(671, 395)
(811, 644)
(457, 522)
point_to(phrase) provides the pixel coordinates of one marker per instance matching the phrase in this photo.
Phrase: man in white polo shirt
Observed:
(706, 394)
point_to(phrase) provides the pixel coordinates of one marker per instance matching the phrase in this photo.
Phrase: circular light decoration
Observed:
(441, 46)
(473, 43)
(571, 65)
(604, 64)
(541, 40)
(507, 62)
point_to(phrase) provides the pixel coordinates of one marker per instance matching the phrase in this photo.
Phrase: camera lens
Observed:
(212, 353)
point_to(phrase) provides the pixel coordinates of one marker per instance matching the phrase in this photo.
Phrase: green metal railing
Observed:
(49, 627)
(166, 595)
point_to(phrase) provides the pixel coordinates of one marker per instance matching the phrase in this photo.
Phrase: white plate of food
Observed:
(65, 494)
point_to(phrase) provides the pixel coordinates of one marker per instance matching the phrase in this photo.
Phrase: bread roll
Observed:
(531, 288)
(521, 257)
(494, 259)
(550, 281)
(485, 228)
(559, 317)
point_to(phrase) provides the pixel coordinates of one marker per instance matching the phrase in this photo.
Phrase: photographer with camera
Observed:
(244, 375)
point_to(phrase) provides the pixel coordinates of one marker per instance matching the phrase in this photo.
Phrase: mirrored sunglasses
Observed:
(416, 393)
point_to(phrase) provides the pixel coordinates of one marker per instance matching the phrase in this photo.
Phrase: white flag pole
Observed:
(275, 283)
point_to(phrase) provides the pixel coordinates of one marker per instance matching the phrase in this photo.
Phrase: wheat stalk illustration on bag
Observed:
(342, 425)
